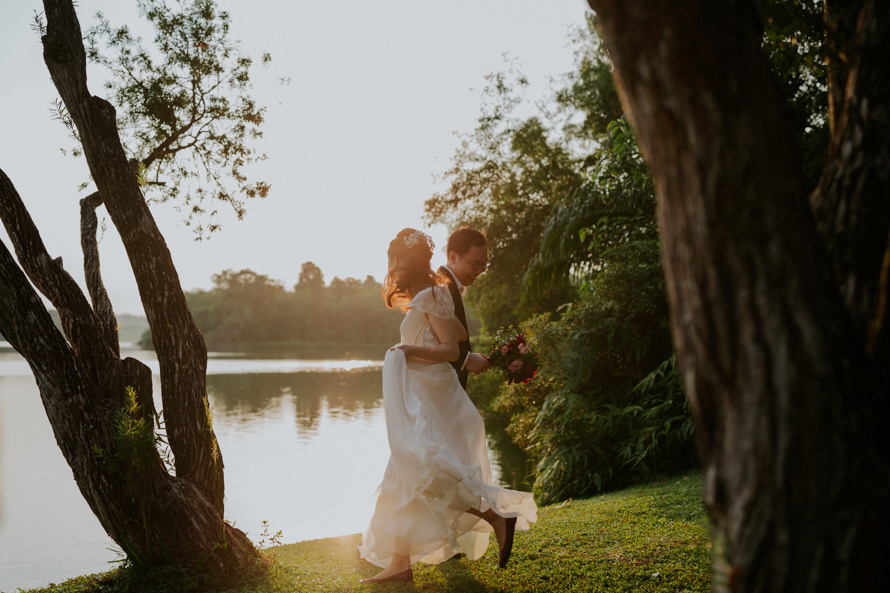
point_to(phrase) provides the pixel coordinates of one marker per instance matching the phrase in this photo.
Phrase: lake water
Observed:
(304, 445)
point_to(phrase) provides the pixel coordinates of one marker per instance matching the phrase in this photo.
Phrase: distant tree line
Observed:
(245, 308)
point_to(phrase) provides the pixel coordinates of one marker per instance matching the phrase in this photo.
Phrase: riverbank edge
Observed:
(652, 537)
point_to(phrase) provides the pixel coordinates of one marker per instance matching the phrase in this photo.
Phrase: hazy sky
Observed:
(378, 91)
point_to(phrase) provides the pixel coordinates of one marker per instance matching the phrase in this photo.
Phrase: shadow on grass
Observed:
(457, 576)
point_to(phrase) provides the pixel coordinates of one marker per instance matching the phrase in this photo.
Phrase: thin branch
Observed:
(92, 272)
(161, 149)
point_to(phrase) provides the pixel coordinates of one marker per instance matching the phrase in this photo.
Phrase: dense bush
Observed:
(607, 408)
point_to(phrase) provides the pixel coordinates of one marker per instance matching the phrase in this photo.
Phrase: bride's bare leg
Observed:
(397, 565)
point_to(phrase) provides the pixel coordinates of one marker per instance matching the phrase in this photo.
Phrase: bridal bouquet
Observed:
(513, 356)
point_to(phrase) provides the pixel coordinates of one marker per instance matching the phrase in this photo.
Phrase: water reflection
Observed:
(349, 395)
(515, 469)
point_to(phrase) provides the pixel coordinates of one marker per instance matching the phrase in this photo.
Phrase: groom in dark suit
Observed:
(467, 258)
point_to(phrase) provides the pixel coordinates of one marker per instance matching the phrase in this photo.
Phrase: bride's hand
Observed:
(406, 348)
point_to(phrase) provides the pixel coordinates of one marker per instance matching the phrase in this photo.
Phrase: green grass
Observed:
(646, 538)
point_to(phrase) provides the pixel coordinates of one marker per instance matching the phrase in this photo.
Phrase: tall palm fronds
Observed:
(615, 205)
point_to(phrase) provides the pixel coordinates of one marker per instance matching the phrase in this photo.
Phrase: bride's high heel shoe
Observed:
(406, 576)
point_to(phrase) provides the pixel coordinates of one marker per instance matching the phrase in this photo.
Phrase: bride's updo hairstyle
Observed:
(409, 273)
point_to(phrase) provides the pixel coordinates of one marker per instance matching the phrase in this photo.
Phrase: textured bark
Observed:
(154, 516)
(770, 311)
(851, 203)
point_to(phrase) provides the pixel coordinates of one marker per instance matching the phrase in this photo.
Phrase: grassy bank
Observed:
(646, 538)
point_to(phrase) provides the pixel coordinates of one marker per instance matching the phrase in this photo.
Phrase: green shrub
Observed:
(607, 408)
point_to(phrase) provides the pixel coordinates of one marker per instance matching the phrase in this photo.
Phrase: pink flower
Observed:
(505, 350)
(515, 365)
(524, 349)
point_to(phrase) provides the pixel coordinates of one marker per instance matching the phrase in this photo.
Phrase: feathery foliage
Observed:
(184, 109)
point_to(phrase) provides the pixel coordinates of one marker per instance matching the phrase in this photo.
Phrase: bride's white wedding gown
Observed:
(438, 466)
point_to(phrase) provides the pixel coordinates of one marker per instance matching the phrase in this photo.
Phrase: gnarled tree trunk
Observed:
(779, 299)
(154, 516)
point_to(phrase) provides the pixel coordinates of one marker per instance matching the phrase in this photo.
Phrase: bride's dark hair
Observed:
(412, 251)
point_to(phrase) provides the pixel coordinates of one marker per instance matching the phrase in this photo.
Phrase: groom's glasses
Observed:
(478, 265)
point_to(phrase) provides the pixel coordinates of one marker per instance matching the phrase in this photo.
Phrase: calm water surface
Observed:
(304, 445)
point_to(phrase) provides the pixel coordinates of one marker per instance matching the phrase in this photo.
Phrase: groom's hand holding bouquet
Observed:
(511, 354)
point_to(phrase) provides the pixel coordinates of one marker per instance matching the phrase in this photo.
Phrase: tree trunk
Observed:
(105, 433)
(772, 314)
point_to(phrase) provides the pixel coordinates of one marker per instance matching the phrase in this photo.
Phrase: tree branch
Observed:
(92, 272)
(851, 185)
(840, 22)
(161, 149)
(78, 321)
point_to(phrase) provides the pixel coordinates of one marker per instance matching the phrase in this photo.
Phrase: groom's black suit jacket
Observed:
(464, 345)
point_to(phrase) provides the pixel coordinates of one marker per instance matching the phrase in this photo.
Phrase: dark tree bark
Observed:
(779, 299)
(154, 516)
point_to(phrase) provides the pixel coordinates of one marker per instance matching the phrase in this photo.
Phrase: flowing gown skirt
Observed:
(438, 469)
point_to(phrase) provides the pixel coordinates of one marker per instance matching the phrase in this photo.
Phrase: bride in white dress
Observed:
(436, 499)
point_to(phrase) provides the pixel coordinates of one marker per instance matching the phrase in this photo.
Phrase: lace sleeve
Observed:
(434, 301)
